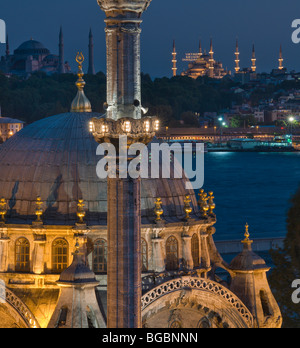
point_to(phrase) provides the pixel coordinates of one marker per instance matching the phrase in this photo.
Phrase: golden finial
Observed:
(211, 203)
(3, 209)
(39, 209)
(158, 211)
(187, 208)
(80, 211)
(204, 207)
(81, 102)
(247, 235)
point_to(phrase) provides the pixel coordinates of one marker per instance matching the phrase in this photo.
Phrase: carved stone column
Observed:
(124, 282)
(39, 249)
(4, 240)
(205, 258)
(187, 252)
(158, 259)
(123, 19)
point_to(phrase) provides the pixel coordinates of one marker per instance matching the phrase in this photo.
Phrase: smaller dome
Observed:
(247, 260)
(77, 273)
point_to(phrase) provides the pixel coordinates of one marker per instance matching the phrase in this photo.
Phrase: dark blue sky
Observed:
(267, 23)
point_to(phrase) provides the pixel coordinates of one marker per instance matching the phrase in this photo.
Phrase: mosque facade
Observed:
(63, 230)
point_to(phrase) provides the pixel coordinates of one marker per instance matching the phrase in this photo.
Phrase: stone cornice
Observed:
(136, 6)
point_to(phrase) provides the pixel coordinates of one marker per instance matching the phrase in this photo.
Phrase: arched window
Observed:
(195, 250)
(204, 323)
(22, 255)
(144, 248)
(172, 254)
(60, 252)
(265, 303)
(100, 256)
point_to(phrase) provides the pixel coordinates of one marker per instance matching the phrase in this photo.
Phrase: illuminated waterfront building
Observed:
(77, 251)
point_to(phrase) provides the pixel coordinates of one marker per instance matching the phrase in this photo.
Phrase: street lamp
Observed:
(223, 124)
(291, 120)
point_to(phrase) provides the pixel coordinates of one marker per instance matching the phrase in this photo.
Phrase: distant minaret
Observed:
(61, 66)
(7, 52)
(253, 60)
(237, 58)
(211, 60)
(200, 49)
(174, 60)
(91, 70)
(280, 59)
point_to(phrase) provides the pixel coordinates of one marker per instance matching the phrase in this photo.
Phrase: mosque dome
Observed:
(31, 47)
(55, 158)
(247, 260)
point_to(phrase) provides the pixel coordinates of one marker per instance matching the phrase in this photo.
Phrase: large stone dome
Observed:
(55, 158)
(31, 47)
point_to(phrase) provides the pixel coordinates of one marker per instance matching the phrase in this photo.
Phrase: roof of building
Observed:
(247, 260)
(31, 47)
(55, 158)
(9, 120)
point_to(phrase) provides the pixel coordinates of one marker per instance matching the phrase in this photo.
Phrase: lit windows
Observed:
(22, 255)
(60, 252)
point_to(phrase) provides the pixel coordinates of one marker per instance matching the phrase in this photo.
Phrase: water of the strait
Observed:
(253, 188)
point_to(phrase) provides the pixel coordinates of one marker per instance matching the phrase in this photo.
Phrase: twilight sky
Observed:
(267, 23)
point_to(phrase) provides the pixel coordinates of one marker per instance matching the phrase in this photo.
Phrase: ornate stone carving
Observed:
(11, 299)
(186, 283)
(136, 6)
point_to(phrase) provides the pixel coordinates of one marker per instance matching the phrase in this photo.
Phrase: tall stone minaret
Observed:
(253, 60)
(174, 60)
(280, 60)
(61, 66)
(123, 126)
(211, 61)
(91, 69)
(237, 57)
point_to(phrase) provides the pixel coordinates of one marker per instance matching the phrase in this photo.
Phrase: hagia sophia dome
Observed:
(31, 47)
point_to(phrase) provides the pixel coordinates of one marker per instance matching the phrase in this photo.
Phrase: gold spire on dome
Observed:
(247, 235)
(81, 102)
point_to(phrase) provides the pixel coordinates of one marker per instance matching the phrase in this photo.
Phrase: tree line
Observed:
(177, 101)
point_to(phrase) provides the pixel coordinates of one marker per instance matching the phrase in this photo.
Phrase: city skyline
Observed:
(251, 23)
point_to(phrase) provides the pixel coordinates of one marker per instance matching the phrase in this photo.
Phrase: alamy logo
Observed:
(296, 293)
(2, 31)
(155, 162)
(296, 32)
